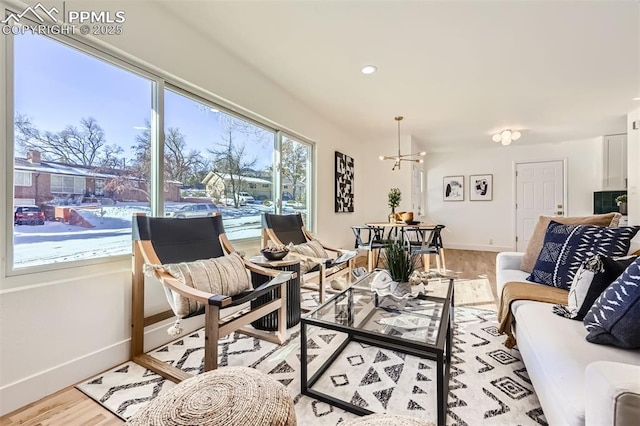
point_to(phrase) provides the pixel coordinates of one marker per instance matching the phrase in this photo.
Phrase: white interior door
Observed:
(539, 192)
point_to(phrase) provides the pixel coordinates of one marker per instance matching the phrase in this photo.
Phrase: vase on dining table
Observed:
(392, 216)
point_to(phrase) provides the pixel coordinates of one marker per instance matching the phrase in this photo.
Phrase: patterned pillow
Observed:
(567, 246)
(224, 275)
(312, 248)
(532, 251)
(614, 317)
(592, 278)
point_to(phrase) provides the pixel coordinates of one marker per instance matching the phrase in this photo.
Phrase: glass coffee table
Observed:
(420, 326)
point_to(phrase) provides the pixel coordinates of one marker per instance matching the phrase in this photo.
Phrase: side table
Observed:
(289, 263)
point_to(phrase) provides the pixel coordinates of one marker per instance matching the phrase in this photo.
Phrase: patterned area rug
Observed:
(488, 384)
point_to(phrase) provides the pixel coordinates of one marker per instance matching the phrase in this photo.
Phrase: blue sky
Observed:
(56, 85)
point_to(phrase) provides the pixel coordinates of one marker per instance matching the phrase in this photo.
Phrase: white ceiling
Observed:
(457, 71)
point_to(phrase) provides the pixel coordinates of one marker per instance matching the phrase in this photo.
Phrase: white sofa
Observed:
(577, 382)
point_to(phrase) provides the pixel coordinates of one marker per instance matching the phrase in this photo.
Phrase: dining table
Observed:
(429, 244)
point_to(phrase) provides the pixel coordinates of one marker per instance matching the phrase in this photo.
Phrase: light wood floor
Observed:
(70, 407)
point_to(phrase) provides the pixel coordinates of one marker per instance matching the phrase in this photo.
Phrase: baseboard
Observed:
(478, 247)
(30, 389)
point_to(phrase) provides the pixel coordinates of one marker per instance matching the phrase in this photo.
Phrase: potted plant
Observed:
(400, 262)
(395, 196)
(621, 201)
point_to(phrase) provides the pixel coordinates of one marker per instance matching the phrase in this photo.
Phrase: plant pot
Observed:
(622, 207)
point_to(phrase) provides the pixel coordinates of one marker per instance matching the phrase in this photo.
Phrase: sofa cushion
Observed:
(556, 355)
(593, 277)
(537, 238)
(614, 317)
(567, 246)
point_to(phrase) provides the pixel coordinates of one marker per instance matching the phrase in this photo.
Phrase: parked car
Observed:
(195, 210)
(30, 215)
(229, 201)
(248, 198)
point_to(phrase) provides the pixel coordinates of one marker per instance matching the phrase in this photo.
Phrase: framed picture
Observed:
(344, 183)
(453, 188)
(481, 187)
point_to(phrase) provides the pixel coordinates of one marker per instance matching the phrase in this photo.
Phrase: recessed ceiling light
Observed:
(369, 69)
(635, 99)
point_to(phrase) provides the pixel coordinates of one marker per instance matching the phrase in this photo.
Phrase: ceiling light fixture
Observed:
(369, 69)
(505, 137)
(402, 157)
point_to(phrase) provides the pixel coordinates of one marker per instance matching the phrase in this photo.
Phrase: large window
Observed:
(219, 159)
(73, 185)
(85, 135)
(75, 117)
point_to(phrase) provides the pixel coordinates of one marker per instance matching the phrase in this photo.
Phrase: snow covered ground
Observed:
(111, 235)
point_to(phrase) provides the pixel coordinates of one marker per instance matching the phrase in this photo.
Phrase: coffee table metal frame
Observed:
(440, 352)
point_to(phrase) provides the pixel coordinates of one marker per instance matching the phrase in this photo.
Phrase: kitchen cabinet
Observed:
(615, 162)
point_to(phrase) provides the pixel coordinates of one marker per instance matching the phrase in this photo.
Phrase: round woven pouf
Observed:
(229, 396)
(386, 420)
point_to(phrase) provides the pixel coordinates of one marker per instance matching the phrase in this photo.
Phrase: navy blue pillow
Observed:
(614, 317)
(565, 247)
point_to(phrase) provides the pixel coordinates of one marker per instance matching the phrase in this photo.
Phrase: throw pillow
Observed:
(592, 278)
(312, 248)
(567, 246)
(224, 275)
(614, 317)
(610, 220)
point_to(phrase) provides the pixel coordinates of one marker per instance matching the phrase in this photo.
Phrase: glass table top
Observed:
(358, 307)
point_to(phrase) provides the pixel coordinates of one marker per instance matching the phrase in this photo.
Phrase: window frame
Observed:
(160, 80)
(23, 173)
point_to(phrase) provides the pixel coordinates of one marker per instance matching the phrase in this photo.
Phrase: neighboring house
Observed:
(218, 185)
(36, 181)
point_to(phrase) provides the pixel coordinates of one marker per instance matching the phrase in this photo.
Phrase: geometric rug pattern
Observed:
(488, 382)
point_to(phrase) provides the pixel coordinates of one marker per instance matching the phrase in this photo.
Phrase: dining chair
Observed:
(317, 266)
(426, 241)
(371, 239)
(191, 257)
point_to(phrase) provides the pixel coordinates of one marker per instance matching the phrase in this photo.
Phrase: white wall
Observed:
(472, 224)
(60, 327)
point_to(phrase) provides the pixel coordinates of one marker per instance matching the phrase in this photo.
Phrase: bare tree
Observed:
(180, 163)
(85, 145)
(294, 162)
(230, 159)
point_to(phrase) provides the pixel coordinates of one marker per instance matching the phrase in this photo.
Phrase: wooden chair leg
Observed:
(441, 255)
(282, 313)
(211, 337)
(438, 263)
(322, 278)
(426, 262)
(370, 255)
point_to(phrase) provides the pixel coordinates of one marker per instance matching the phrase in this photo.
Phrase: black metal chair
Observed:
(426, 241)
(370, 238)
(162, 241)
(290, 229)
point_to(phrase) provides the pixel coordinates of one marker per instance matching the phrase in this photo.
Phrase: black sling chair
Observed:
(160, 241)
(289, 228)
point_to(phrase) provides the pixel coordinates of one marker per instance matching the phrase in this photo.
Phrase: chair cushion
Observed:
(537, 238)
(614, 317)
(592, 278)
(311, 248)
(224, 275)
(567, 246)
